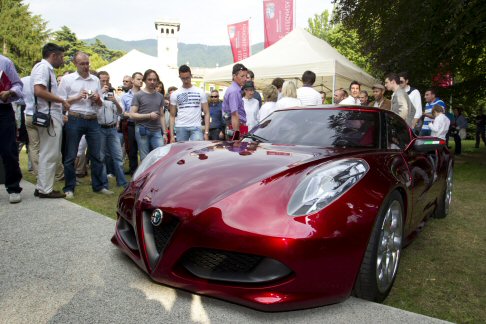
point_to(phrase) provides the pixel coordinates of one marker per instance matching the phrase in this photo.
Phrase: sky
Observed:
(202, 21)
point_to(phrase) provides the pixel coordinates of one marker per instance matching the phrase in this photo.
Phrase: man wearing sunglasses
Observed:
(216, 122)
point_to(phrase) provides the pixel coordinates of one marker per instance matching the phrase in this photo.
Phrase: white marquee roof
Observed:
(288, 58)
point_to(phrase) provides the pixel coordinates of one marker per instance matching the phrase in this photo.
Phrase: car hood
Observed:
(197, 176)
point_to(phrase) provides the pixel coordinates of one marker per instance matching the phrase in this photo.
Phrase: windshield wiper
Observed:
(255, 137)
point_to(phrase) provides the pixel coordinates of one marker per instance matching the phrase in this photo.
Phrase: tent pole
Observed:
(294, 4)
(333, 86)
(249, 36)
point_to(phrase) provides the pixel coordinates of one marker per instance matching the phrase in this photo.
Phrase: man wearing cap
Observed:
(380, 100)
(251, 105)
(233, 108)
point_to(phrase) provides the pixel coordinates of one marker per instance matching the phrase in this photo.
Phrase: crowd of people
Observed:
(89, 122)
(433, 119)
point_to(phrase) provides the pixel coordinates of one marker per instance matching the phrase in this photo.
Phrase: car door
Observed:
(420, 166)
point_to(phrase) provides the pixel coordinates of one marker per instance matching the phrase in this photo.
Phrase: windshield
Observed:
(320, 127)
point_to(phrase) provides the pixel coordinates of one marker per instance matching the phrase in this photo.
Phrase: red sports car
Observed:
(313, 205)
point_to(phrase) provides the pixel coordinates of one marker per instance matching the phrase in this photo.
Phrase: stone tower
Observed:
(167, 38)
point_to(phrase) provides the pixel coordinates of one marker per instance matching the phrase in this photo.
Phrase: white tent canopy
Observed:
(136, 61)
(288, 58)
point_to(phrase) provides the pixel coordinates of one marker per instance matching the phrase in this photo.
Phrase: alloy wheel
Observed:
(389, 246)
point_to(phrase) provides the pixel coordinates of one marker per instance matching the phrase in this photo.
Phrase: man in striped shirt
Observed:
(431, 100)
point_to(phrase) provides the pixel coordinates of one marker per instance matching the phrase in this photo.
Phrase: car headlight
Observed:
(150, 159)
(325, 184)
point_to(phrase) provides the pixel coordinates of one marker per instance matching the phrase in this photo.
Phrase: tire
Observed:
(382, 257)
(444, 203)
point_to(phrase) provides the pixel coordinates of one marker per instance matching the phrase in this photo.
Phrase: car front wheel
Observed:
(380, 263)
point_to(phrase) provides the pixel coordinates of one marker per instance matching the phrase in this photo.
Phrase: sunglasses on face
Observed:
(214, 96)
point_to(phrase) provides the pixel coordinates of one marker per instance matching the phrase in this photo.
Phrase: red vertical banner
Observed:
(443, 80)
(278, 19)
(239, 35)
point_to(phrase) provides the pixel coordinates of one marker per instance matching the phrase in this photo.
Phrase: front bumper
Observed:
(207, 254)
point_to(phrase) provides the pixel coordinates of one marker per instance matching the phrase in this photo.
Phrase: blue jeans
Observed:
(147, 140)
(189, 134)
(75, 128)
(110, 144)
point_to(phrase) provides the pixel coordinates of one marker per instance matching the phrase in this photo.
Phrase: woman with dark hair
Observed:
(148, 112)
(160, 88)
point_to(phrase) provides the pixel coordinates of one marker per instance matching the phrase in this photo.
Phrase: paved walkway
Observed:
(57, 265)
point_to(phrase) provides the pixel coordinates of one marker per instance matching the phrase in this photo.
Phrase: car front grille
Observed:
(163, 233)
(233, 267)
(157, 237)
(223, 261)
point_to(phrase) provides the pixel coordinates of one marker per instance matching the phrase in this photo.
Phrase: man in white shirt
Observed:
(414, 96)
(278, 83)
(187, 103)
(251, 105)
(43, 84)
(82, 90)
(339, 95)
(33, 133)
(110, 142)
(353, 98)
(306, 94)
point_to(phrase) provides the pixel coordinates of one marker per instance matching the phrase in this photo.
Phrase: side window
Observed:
(397, 132)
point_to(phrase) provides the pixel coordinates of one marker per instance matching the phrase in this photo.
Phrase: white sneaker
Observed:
(105, 191)
(69, 194)
(15, 198)
(110, 175)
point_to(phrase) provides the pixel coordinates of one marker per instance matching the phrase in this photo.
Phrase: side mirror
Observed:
(427, 144)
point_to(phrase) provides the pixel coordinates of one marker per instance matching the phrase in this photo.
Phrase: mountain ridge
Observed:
(197, 55)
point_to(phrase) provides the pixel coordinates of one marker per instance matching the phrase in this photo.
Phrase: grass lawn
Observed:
(83, 194)
(442, 273)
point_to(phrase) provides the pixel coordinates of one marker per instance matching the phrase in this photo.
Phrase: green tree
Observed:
(21, 34)
(423, 37)
(344, 40)
(99, 54)
(107, 54)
